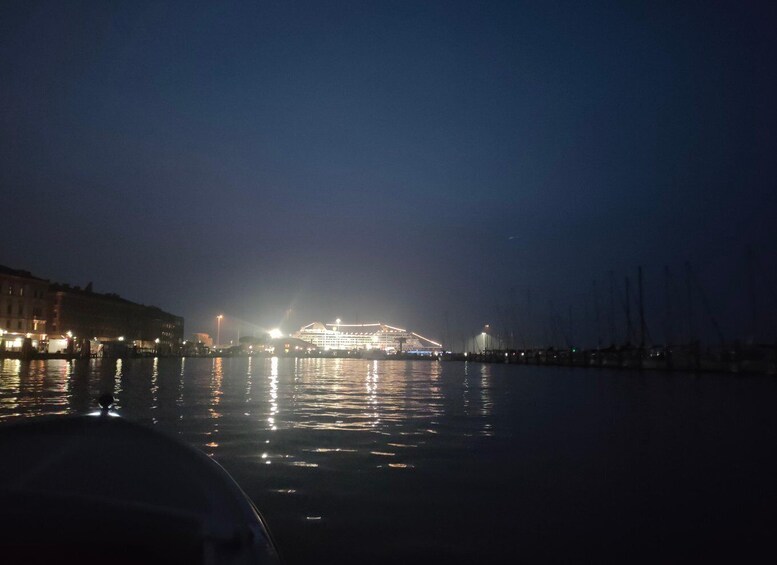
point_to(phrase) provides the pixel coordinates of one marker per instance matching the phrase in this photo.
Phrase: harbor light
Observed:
(218, 329)
(121, 338)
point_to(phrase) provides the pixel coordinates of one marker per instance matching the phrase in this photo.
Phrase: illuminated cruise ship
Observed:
(348, 337)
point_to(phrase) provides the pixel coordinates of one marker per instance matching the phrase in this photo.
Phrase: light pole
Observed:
(218, 329)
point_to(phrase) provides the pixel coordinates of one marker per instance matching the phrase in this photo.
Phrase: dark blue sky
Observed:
(388, 160)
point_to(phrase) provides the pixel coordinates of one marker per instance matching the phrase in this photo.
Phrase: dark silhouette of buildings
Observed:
(108, 317)
(37, 315)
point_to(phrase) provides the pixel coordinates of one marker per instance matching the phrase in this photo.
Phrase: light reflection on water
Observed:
(392, 461)
(235, 407)
(197, 398)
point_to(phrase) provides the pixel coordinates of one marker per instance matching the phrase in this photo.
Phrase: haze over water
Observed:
(393, 461)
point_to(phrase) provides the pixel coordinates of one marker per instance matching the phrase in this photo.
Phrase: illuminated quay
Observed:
(376, 336)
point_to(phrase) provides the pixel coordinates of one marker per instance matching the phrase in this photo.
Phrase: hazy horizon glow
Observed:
(439, 165)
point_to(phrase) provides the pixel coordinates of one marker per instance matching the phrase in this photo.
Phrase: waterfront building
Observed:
(110, 318)
(288, 346)
(376, 336)
(37, 315)
(22, 309)
(202, 338)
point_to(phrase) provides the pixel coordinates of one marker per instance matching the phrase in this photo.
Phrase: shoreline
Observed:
(627, 359)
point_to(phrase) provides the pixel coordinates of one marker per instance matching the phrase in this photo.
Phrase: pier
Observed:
(756, 359)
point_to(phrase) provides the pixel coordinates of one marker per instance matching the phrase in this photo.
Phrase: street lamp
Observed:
(218, 329)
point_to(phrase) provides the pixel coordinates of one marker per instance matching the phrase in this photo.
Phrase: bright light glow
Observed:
(156, 340)
(220, 316)
(276, 333)
(121, 338)
(69, 333)
(365, 336)
(338, 321)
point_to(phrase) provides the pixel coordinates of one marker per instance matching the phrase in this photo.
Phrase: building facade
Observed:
(22, 308)
(202, 338)
(377, 336)
(84, 314)
(36, 315)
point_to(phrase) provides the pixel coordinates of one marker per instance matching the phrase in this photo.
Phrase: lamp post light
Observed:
(218, 329)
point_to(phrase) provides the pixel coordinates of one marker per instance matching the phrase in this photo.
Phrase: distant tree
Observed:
(251, 340)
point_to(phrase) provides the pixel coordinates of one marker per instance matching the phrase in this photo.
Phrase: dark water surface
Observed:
(392, 461)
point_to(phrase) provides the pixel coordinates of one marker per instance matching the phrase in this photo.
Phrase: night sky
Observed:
(410, 162)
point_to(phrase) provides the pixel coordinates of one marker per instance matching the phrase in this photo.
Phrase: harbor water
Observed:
(376, 461)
